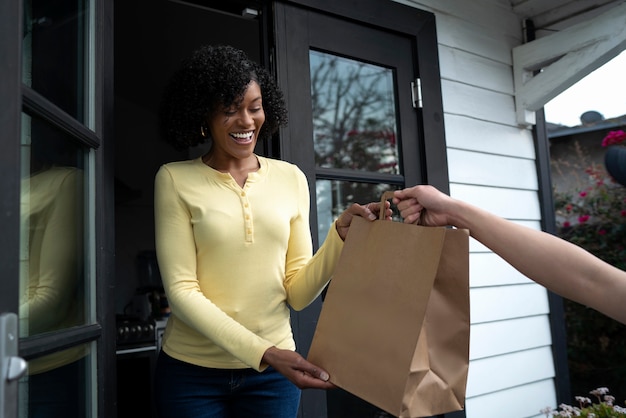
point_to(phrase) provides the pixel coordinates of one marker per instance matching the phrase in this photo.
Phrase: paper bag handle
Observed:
(389, 195)
(386, 196)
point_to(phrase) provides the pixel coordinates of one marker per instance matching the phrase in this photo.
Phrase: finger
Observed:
(400, 195)
(307, 381)
(411, 215)
(321, 374)
(314, 371)
(367, 212)
(406, 203)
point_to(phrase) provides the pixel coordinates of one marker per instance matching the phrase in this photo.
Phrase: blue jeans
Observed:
(184, 390)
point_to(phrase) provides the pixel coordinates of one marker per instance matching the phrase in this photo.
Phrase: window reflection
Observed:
(53, 57)
(57, 385)
(52, 278)
(354, 114)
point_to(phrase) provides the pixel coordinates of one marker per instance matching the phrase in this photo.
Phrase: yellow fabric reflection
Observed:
(52, 267)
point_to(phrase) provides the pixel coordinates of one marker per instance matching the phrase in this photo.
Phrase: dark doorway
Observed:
(151, 38)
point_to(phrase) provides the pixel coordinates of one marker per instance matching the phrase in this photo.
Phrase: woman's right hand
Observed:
(371, 212)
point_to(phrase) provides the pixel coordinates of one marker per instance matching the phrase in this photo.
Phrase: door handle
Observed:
(12, 367)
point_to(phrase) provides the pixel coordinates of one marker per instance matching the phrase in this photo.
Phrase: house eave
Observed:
(546, 67)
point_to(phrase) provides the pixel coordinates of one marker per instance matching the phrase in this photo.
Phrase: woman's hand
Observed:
(299, 371)
(370, 212)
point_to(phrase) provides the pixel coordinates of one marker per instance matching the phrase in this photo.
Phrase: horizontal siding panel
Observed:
(489, 269)
(507, 203)
(503, 337)
(511, 371)
(475, 247)
(474, 70)
(477, 103)
(478, 248)
(471, 167)
(466, 133)
(480, 13)
(498, 303)
(467, 36)
(508, 371)
(519, 402)
(477, 12)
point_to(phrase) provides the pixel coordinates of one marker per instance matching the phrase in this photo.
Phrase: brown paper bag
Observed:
(394, 326)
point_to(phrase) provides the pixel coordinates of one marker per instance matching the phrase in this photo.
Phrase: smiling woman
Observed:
(211, 79)
(232, 261)
(235, 130)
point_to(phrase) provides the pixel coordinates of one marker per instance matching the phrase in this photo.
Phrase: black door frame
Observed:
(10, 110)
(386, 16)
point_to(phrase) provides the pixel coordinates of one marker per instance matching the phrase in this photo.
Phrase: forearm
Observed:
(557, 264)
(310, 280)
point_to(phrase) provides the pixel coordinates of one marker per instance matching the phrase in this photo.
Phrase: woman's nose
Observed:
(246, 118)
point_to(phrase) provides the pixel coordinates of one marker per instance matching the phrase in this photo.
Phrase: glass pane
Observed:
(53, 58)
(354, 114)
(334, 196)
(52, 261)
(58, 385)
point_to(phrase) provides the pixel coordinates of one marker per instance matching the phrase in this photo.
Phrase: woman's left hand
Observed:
(297, 369)
(370, 212)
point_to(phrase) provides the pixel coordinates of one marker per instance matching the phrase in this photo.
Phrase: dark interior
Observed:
(151, 38)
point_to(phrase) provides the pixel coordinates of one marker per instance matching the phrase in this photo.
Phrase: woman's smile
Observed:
(243, 138)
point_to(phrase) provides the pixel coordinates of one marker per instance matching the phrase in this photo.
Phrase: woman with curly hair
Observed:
(234, 247)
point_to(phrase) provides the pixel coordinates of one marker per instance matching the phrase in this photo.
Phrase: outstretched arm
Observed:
(559, 265)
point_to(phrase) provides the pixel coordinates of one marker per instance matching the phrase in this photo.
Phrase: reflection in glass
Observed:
(334, 196)
(354, 114)
(57, 385)
(52, 273)
(53, 52)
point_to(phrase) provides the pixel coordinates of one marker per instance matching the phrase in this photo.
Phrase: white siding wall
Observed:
(492, 165)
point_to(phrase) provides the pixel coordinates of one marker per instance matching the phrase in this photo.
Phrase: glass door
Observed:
(56, 273)
(55, 167)
(359, 124)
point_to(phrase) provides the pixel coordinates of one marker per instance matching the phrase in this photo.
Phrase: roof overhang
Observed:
(547, 66)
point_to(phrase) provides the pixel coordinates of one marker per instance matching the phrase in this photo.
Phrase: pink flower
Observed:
(602, 232)
(566, 224)
(582, 219)
(613, 138)
(568, 207)
(582, 194)
(623, 212)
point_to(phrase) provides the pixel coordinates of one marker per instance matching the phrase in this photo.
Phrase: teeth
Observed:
(243, 135)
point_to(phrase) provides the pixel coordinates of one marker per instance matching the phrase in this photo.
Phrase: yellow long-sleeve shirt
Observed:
(233, 259)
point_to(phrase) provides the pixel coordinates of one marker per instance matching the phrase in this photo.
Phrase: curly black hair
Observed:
(211, 78)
